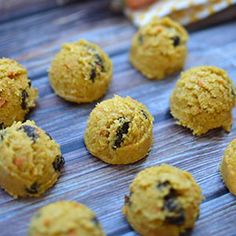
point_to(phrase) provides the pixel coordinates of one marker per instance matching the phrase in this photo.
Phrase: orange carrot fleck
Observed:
(11, 74)
(19, 161)
(200, 83)
(137, 4)
(46, 222)
(159, 28)
(66, 66)
(72, 232)
(104, 133)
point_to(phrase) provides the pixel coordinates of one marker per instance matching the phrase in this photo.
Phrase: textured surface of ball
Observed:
(65, 218)
(30, 160)
(203, 99)
(228, 167)
(163, 201)
(159, 48)
(119, 131)
(17, 97)
(81, 72)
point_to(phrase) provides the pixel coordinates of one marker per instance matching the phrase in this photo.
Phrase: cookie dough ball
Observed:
(30, 160)
(159, 48)
(17, 96)
(163, 201)
(80, 72)
(119, 131)
(65, 218)
(203, 99)
(228, 167)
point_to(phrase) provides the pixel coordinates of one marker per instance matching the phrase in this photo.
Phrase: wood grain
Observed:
(13, 9)
(34, 39)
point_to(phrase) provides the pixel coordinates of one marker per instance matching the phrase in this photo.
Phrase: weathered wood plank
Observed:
(86, 179)
(13, 9)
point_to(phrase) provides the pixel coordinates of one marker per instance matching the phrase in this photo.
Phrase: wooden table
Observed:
(34, 38)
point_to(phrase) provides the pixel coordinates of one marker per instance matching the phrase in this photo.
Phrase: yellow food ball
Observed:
(119, 131)
(228, 167)
(159, 48)
(17, 97)
(30, 160)
(65, 218)
(163, 201)
(203, 99)
(81, 72)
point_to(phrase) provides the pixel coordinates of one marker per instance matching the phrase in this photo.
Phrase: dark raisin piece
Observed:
(58, 163)
(26, 116)
(99, 62)
(140, 39)
(198, 216)
(188, 232)
(93, 74)
(175, 212)
(24, 96)
(29, 82)
(170, 203)
(121, 131)
(176, 41)
(30, 131)
(1, 125)
(128, 199)
(33, 189)
(49, 135)
(163, 185)
(144, 114)
(2, 133)
(176, 219)
(95, 220)
(177, 216)
(233, 92)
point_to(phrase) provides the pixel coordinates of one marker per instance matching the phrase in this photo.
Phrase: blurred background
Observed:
(133, 9)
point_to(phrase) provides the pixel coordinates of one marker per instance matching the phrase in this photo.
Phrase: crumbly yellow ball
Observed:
(30, 160)
(163, 201)
(119, 131)
(203, 99)
(17, 96)
(159, 48)
(228, 167)
(81, 72)
(65, 218)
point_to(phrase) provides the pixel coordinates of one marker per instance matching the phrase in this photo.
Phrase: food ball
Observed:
(30, 160)
(119, 131)
(163, 201)
(80, 72)
(159, 48)
(17, 97)
(203, 99)
(65, 218)
(228, 167)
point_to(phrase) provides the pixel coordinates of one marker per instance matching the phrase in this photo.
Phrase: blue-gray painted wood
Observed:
(34, 39)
